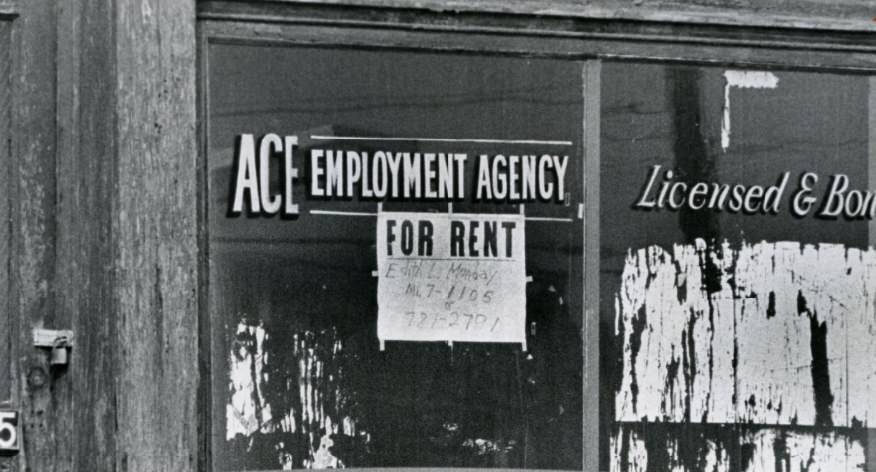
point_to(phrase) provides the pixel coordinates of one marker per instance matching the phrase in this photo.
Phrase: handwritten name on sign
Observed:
(451, 277)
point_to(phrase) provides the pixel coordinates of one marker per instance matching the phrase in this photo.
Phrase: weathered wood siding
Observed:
(8, 303)
(35, 151)
(84, 213)
(155, 230)
(99, 228)
(103, 220)
(853, 15)
(6, 318)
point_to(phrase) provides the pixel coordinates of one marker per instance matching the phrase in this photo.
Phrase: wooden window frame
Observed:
(527, 34)
(8, 306)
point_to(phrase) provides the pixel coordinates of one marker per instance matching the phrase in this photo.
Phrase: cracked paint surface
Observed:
(247, 411)
(307, 426)
(769, 333)
(766, 334)
(723, 448)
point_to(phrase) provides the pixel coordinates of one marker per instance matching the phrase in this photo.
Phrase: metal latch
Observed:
(59, 341)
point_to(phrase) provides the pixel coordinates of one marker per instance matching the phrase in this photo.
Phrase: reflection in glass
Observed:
(736, 334)
(299, 380)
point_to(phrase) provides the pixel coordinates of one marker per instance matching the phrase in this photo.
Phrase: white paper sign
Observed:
(451, 277)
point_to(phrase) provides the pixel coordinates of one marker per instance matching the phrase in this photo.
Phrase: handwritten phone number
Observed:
(452, 320)
(463, 293)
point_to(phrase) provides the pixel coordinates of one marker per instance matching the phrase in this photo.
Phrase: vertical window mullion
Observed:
(590, 129)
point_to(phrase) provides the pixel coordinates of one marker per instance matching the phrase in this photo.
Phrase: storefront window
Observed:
(396, 262)
(305, 374)
(737, 269)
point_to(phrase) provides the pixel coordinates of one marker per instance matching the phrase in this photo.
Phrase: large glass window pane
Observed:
(738, 275)
(299, 379)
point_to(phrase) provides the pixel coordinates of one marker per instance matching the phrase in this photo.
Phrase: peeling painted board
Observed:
(800, 353)
(776, 379)
(666, 357)
(305, 414)
(723, 448)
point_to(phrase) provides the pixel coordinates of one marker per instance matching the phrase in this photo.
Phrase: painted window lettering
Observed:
(737, 277)
(418, 255)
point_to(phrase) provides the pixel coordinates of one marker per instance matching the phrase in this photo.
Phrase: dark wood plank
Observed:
(84, 252)
(63, 401)
(6, 339)
(205, 399)
(34, 228)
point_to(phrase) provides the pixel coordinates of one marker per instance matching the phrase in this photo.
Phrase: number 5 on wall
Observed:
(8, 431)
